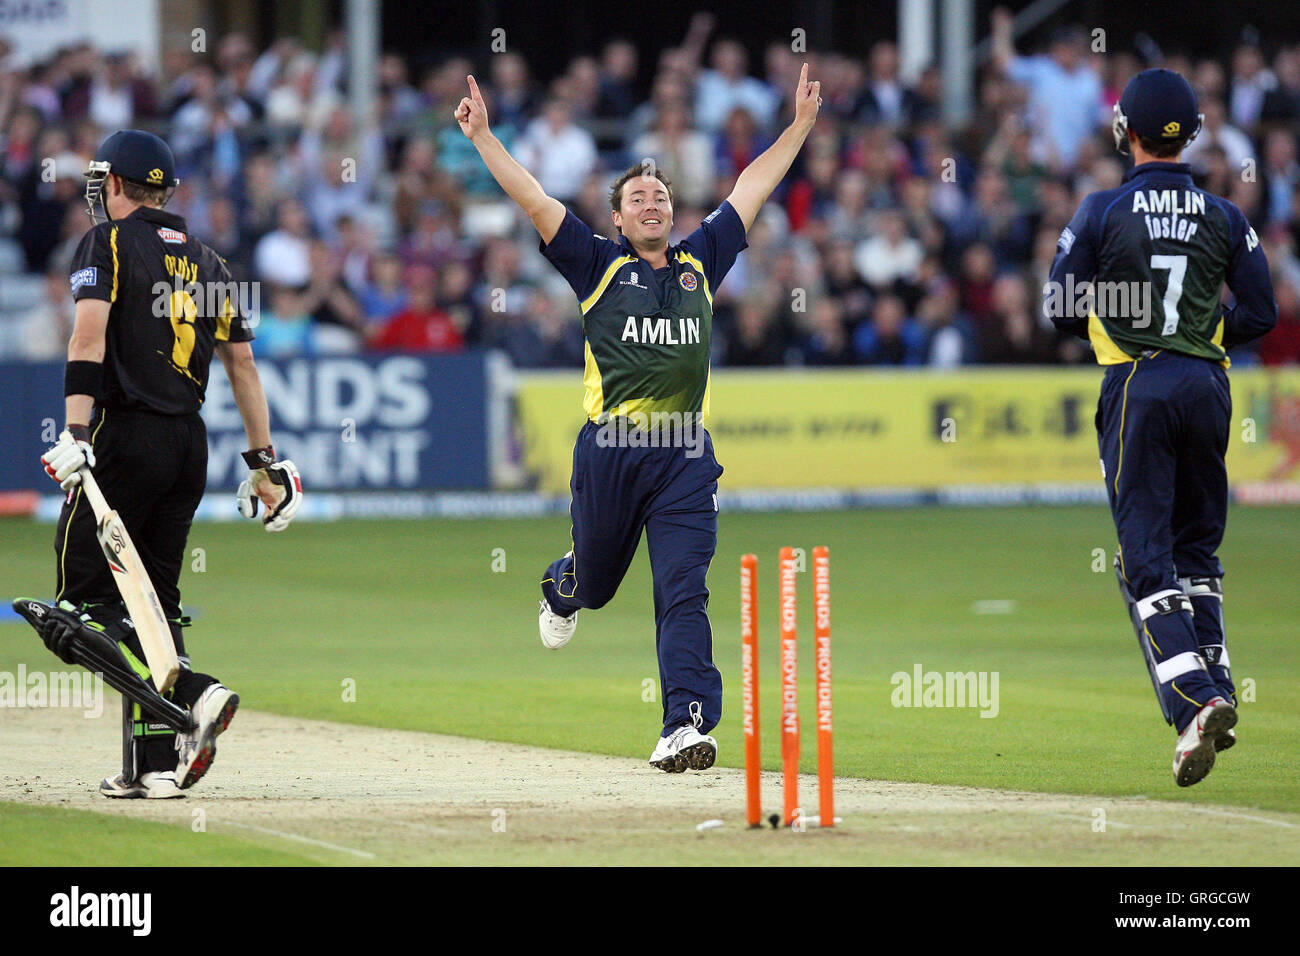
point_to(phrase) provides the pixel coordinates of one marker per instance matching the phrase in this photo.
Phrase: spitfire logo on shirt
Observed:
(688, 281)
(173, 236)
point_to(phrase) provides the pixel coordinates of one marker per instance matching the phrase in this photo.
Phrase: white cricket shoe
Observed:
(1200, 739)
(150, 786)
(555, 629)
(195, 750)
(684, 749)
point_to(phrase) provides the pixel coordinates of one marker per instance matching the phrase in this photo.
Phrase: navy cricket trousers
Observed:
(1163, 423)
(671, 494)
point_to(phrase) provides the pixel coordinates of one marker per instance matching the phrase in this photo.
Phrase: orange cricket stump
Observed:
(789, 683)
(749, 688)
(825, 724)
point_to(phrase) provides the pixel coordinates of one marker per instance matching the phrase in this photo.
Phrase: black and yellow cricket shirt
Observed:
(172, 299)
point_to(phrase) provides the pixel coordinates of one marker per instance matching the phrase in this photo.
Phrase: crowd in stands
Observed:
(895, 240)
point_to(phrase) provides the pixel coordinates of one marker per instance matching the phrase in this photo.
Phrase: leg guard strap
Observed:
(1202, 587)
(1178, 665)
(1163, 602)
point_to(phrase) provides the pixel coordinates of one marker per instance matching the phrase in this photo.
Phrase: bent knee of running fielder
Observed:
(1144, 580)
(567, 594)
(587, 581)
(596, 596)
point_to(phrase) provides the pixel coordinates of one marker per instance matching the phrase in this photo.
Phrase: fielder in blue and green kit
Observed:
(1157, 251)
(643, 462)
(647, 355)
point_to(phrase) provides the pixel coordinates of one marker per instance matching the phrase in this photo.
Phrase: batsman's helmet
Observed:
(1157, 105)
(136, 156)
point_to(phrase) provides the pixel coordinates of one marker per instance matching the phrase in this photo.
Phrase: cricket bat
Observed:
(137, 590)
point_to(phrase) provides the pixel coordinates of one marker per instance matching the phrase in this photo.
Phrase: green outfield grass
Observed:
(39, 836)
(414, 617)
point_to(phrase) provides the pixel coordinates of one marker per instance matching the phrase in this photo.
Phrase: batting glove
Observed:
(62, 624)
(70, 454)
(276, 484)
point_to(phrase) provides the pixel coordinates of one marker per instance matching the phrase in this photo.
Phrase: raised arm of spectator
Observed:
(697, 37)
(269, 67)
(760, 177)
(546, 212)
(1004, 49)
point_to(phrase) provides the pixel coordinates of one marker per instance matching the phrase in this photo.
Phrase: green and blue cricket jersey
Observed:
(647, 330)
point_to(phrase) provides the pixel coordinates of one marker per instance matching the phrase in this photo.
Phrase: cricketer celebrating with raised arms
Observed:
(1165, 408)
(643, 461)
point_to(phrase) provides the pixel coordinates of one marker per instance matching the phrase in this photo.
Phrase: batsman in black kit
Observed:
(153, 305)
(1165, 409)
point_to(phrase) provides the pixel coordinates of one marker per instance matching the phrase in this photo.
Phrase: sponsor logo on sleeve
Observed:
(86, 276)
(1066, 240)
(173, 236)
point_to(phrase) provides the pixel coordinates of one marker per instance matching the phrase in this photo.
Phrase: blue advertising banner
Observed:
(350, 423)
(31, 415)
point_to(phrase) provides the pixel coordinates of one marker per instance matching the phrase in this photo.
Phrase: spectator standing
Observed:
(617, 80)
(1064, 89)
(885, 100)
(1251, 82)
(726, 87)
(283, 256)
(685, 154)
(560, 153)
(118, 97)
